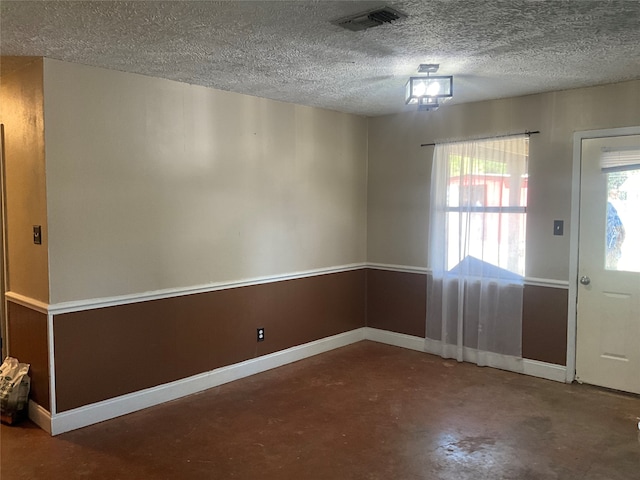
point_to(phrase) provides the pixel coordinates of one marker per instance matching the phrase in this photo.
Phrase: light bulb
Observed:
(419, 89)
(433, 89)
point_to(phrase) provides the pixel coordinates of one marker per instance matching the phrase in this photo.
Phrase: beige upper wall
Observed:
(21, 104)
(153, 184)
(399, 169)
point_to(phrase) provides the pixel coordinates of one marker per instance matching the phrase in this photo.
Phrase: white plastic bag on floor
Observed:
(14, 386)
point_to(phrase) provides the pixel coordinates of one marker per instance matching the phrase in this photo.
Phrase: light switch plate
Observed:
(558, 227)
(37, 234)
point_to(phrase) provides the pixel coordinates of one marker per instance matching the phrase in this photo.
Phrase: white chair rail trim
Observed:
(541, 282)
(94, 303)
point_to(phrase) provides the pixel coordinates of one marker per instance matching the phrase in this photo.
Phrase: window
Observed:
(621, 168)
(477, 248)
(481, 194)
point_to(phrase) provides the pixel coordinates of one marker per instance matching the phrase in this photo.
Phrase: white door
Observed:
(608, 309)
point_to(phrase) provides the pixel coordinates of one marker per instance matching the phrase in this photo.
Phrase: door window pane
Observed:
(623, 221)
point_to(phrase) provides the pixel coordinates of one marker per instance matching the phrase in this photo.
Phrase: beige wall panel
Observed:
(155, 184)
(398, 190)
(21, 104)
(399, 169)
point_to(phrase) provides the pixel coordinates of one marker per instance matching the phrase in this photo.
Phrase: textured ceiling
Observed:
(289, 50)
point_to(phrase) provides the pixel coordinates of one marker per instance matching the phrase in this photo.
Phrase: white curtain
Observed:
(476, 251)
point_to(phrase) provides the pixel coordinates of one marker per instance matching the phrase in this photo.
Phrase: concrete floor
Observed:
(366, 411)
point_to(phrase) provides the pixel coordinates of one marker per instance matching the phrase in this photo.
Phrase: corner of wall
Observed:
(22, 114)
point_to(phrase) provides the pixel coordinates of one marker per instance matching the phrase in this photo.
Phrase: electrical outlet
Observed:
(261, 334)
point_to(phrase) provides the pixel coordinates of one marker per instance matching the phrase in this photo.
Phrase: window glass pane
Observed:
(483, 189)
(623, 221)
(494, 238)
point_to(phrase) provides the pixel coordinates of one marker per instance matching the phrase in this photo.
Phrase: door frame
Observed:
(4, 321)
(574, 234)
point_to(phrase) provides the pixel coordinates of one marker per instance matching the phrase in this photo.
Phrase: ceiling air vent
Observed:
(368, 19)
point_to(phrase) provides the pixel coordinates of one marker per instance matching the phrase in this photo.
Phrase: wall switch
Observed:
(558, 227)
(37, 234)
(261, 334)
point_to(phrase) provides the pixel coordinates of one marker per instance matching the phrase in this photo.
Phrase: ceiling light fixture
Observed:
(431, 91)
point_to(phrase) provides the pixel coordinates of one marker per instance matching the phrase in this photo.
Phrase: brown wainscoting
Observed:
(544, 324)
(107, 352)
(28, 343)
(396, 301)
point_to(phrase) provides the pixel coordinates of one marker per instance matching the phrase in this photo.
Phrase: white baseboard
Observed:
(115, 407)
(526, 366)
(550, 371)
(472, 355)
(40, 416)
(396, 339)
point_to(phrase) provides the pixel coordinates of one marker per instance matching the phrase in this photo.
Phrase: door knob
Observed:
(585, 280)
